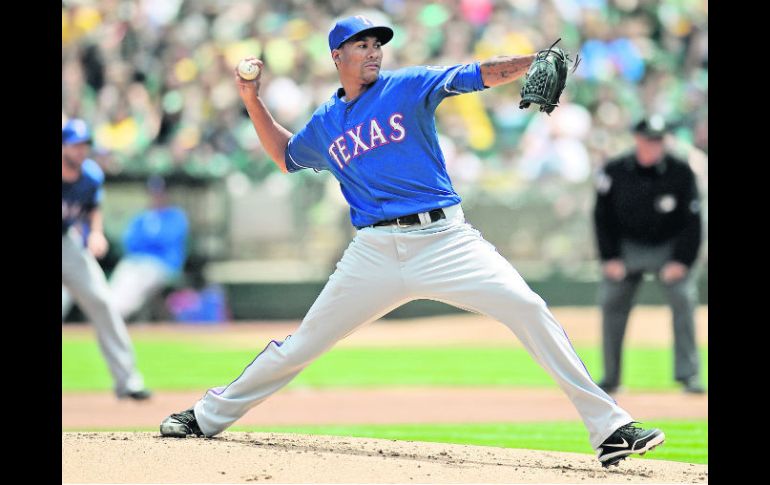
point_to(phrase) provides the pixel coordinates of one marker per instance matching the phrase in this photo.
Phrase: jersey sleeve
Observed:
(98, 196)
(92, 170)
(304, 151)
(434, 83)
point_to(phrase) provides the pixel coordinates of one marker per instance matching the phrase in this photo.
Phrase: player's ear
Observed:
(336, 58)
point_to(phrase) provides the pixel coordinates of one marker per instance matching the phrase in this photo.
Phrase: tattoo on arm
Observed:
(504, 69)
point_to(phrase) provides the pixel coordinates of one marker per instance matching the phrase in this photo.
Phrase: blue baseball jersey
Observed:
(159, 233)
(382, 147)
(82, 196)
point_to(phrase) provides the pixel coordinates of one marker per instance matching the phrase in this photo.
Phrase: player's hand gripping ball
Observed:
(248, 70)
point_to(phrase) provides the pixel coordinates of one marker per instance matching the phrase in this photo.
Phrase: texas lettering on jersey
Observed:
(365, 137)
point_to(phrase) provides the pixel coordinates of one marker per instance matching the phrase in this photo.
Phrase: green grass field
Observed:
(184, 366)
(686, 441)
(171, 365)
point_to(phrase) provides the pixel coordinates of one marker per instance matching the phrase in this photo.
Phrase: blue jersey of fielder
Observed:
(382, 147)
(159, 233)
(80, 197)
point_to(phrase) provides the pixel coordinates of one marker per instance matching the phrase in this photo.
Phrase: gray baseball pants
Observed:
(617, 299)
(84, 278)
(385, 267)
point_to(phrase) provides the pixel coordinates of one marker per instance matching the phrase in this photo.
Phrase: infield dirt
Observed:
(290, 458)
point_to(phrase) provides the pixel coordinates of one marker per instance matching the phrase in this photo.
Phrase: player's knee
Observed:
(96, 309)
(614, 301)
(125, 308)
(614, 305)
(530, 302)
(682, 298)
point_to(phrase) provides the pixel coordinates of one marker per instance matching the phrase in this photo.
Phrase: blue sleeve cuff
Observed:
(479, 86)
(291, 165)
(466, 78)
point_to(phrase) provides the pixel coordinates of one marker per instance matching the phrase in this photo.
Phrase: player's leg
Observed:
(616, 300)
(365, 285)
(66, 302)
(463, 269)
(85, 280)
(682, 297)
(133, 282)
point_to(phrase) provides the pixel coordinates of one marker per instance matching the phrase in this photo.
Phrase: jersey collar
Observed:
(341, 92)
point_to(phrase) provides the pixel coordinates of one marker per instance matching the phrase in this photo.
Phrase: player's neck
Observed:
(69, 174)
(353, 90)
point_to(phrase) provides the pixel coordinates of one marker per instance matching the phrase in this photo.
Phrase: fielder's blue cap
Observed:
(346, 28)
(156, 184)
(75, 131)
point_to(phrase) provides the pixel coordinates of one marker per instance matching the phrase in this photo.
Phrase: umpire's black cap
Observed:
(653, 127)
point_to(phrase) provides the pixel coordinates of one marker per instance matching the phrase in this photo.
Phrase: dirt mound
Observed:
(285, 458)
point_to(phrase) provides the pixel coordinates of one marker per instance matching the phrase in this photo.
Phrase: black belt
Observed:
(411, 219)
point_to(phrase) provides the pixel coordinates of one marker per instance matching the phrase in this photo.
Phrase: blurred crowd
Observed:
(155, 80)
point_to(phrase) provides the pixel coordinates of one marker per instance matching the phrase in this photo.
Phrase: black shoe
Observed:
(141, 395)
(626, 440)
(693, 386)
(180, 425)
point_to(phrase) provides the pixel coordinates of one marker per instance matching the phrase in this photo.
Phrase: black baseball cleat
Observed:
(181, 425)
(626, 440)
(140, 395)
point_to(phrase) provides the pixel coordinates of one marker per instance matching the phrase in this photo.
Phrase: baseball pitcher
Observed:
(377, 136)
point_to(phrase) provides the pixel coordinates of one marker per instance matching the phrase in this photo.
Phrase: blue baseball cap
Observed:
(346, 28)
(156, 184)
(75, 131)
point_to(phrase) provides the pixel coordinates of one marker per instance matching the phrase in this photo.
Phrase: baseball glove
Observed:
(546, 78)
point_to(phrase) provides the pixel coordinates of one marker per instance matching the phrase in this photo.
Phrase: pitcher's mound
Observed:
(126, 457)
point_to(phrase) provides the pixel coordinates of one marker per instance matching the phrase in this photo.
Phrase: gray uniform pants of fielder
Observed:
(616, 298)
(385, 267)
(133, 282)
(85, 280)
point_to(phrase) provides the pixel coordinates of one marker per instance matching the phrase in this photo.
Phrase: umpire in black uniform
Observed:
(647, 219)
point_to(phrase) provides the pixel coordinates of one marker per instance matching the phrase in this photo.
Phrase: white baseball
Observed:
(247, 70)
